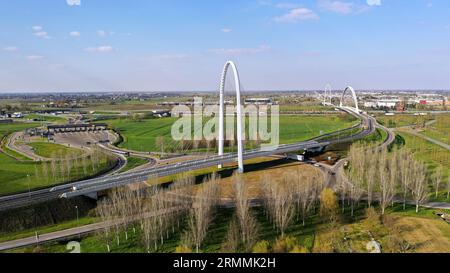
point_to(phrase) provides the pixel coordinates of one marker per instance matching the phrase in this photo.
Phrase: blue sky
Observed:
(153, 45)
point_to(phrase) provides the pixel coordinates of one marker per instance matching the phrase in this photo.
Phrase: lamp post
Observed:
(78, 222)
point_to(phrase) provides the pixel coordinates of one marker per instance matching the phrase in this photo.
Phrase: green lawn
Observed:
(133, 162)
(141, 136)
(14, 174)
(57, 151)
(440, 130)
(18, 176)
(433, 155)
(403, 120)
(47, 118)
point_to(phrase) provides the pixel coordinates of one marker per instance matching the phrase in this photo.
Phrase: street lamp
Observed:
(78, 223)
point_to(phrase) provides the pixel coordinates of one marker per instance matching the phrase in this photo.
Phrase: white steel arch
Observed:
(355, 98)
(238, 110)
(327, 95)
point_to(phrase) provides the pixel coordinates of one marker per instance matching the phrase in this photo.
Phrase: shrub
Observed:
(183, 249)
(285, 244)
(261, 247)
(299, 249)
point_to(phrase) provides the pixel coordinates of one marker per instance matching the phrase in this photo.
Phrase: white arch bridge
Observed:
(92, 186)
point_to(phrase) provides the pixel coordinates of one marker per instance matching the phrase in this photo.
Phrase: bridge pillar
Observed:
(238, 111)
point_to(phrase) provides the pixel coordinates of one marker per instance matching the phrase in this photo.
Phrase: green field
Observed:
(433, 155)
(57, 151)
(133, 162)
(19, 176)
(47, 118)
(304, 107)
(403, 120)
(141, 136)
(440, 130)
(6, 129)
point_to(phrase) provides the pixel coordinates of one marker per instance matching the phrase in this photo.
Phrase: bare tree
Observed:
(304, 194)
(342, 187)
(419, 185)
(280, 203)
(103, 210)
(386, 194)
(371, 175)
(437, 179)
(247, 223)
(159, 142)
(202, 212)
(448, 187)
(405, 167)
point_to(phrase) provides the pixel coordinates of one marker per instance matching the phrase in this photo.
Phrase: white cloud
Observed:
(101, 33)
(11, 49)
(296, 15)
(73, 2)
(374, 2)
(75, 34)
(226, 30)
(39, 32)
(241, 51)
(42, 34)
(37, 28)
(337, 6)
(100, 49)
(35, 57)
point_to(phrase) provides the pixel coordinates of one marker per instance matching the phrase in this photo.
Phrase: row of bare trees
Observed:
(295, 195)
(155, 212)
(66, 167)
(386, 177)
(158, 212)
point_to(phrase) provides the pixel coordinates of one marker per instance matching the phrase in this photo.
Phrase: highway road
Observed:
(108, 182)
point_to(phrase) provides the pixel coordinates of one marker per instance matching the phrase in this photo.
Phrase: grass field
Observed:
(141, 136)
(47, 118)
(133, 162)
(403, 120)
(432, 154)
(19, 176)
(304, 107)
(56, 151)
(440, 130)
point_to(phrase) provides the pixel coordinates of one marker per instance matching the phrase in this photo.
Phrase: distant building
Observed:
(162, 113)
(259, 101)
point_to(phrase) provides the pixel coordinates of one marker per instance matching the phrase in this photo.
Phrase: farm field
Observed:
(141, 136)
(440, 130)
(403, 120)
